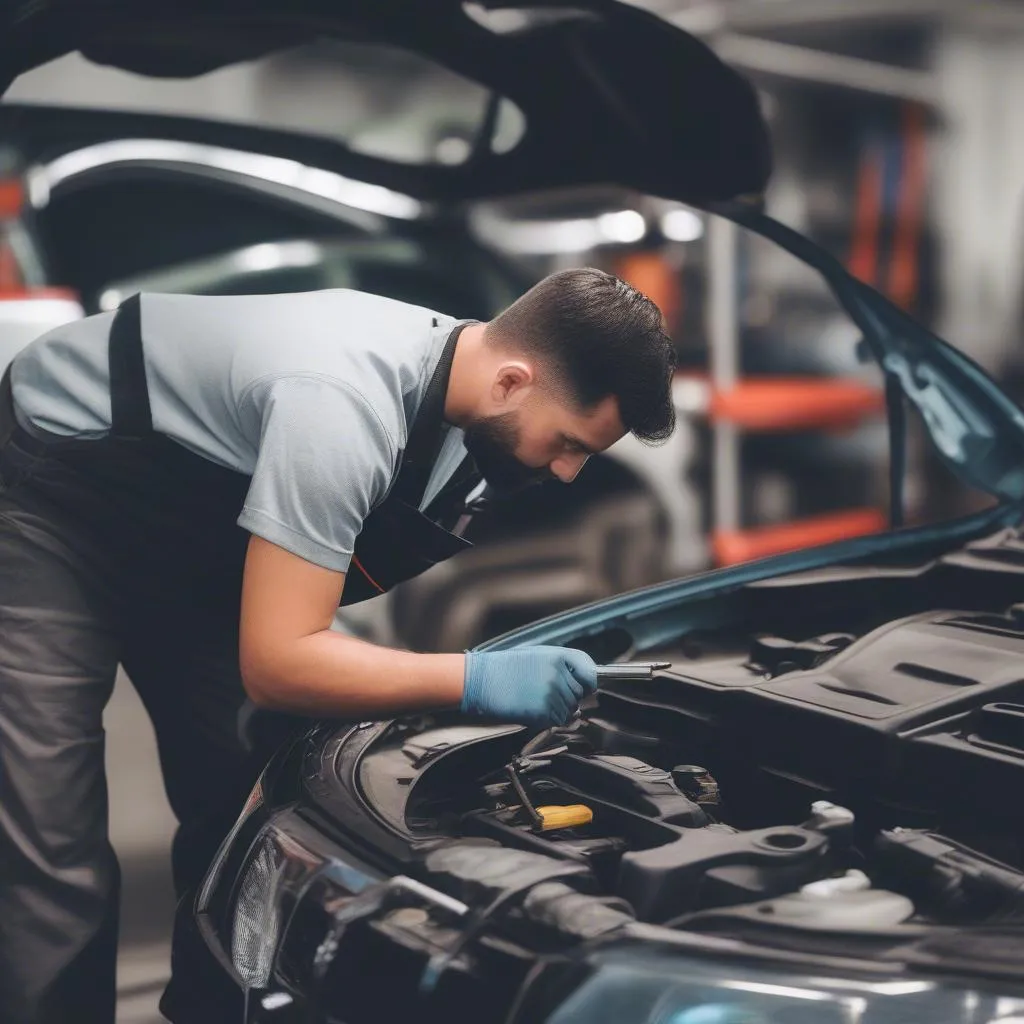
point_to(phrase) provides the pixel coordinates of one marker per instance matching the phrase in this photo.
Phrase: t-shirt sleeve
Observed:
(324, 461)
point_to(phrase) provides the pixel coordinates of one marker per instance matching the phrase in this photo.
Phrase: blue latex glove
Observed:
(538, 686)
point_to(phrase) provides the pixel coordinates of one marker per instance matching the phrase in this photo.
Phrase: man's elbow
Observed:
(262, 684)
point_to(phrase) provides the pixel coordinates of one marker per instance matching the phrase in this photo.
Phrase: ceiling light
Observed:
(549, 237)
(681, 226)
(623, 226)
(452, 150)
(276, 256)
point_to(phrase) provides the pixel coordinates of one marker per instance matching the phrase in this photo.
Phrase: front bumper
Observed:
(227, 933)
(306, 876)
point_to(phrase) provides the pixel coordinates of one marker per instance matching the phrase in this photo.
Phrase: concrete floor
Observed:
(141, 827)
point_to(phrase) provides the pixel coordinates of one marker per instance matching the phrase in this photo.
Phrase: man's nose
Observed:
(567, 467)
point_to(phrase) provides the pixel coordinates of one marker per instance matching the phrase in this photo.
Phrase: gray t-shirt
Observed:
(311, 394)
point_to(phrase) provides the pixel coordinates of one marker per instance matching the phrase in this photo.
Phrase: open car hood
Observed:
(611, 95)
(977, 430)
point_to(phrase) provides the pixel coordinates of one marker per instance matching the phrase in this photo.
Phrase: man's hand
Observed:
(539, 686)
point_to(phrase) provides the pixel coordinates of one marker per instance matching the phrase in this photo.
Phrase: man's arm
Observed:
(304, 509)
(292, 661)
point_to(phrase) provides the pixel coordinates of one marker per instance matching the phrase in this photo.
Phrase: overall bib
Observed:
(125, 549)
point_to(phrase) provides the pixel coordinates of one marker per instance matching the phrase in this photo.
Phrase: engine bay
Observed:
(848, 766)
(822, 775)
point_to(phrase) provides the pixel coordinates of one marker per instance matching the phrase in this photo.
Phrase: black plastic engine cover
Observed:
(924, 714)
(708, 867)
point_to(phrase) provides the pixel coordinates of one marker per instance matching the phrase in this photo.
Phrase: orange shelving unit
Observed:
(772, 404)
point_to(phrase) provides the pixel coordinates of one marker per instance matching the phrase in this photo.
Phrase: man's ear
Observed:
(511, 382)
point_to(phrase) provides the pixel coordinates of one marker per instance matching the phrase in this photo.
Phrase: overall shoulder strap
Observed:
(426, 435)
(130, 414)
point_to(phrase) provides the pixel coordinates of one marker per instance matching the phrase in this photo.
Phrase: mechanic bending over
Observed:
(192, 484)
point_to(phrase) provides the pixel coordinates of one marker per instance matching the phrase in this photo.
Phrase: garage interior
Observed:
(898, 141)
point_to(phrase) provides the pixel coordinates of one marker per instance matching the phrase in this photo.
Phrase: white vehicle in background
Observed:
(25, 315)
(27, 307)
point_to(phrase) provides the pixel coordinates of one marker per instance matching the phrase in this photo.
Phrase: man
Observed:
(192, 485)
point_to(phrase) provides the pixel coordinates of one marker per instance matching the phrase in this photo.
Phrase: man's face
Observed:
(543, 438)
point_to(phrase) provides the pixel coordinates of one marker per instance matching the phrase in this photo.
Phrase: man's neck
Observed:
(463, 387)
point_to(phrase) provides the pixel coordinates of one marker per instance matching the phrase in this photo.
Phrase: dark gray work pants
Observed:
(88, 579)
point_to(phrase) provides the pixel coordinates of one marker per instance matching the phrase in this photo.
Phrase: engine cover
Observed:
(924, 716)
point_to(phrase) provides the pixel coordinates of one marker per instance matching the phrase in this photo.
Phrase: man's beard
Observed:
(491, 442)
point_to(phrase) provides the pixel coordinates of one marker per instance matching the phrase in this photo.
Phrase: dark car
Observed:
(810, 814)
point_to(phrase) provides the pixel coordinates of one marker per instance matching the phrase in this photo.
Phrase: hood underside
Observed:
(610, 94)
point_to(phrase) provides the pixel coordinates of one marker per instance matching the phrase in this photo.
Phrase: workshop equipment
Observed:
(735, 406)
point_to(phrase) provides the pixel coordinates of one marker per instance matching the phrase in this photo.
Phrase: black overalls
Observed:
(126, 549)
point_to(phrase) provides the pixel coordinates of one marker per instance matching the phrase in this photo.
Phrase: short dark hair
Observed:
(602, 337)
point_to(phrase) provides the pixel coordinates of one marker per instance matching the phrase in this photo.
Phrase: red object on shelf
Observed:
(10, 275)
(20, 294)
(904, 264)
(734, 546)
(763, 404)
(864, 253)
(12, 198)
(794, 403)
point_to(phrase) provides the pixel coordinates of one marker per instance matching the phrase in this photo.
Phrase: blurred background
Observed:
(899, 146)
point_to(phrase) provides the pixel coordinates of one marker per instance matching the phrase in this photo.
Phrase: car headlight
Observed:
(256, 922)
(276, 881)
(287, 856)
(633, 987)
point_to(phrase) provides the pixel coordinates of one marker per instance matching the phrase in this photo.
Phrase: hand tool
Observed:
(626, 670)
(631, 670)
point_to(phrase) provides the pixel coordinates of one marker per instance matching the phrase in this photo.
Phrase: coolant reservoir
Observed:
(843, 904)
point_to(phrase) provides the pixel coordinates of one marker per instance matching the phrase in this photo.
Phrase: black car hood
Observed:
(611, 94)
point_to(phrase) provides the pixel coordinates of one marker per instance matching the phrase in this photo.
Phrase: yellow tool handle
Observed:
(567, 816)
